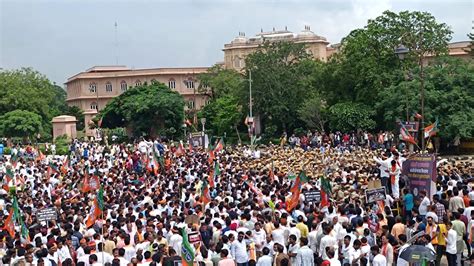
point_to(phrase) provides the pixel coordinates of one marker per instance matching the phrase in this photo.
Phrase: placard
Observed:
(421, 173)
(47, 214)
(312, 196)
(194, 237)
(375, 194)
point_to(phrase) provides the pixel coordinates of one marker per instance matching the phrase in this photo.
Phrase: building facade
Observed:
(240, 47)
(92, 89)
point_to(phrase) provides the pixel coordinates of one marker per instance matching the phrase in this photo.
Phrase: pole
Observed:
(116, 44)
(250, 110)
(422, 96)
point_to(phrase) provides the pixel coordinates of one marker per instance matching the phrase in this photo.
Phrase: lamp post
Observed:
(401, 51)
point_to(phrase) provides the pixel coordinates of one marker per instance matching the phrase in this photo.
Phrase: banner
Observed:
(312, 196)
(421, 173)
(375, 194)
(47, 214)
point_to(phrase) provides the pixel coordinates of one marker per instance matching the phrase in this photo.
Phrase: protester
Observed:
(154, 203)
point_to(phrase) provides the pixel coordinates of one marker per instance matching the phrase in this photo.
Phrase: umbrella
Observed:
(416, 253)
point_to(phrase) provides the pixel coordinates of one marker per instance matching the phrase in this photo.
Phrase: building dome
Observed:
(308, 34)
(240, 39)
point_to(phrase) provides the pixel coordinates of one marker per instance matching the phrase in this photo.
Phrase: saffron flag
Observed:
(326, 190)
(417, 116)
(271, 174)
(9, 224)
(205, 193)
(431, 130)
(220, 146)
(293, 201)
(405, 135)
(179, 151)
(90, 183)
(65, 166)
(211, 156)
(40, 156)
(257, 191)
(94, 213)
(187, 252)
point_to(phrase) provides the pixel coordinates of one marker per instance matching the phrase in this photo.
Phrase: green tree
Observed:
(449, 96)
(351, 116)
(78, 113)
(222, 115)
(313, 112)
(367, 62)
(26, 89)
(20, 123)
(219, 82)
(148, 109)
(277, 71)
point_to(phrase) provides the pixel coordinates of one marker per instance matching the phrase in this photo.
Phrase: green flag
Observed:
(326, 185)
(217, 171)
(291, 175)
(303, 177)
(16, 210)
(271, 204)
(187, 252)
(100, 198)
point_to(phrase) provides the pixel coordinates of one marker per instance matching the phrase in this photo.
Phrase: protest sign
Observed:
(375, 194)
(312, 196)
(47, 214)
(421, 173)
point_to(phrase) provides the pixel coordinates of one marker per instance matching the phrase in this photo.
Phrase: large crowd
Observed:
(234, 206)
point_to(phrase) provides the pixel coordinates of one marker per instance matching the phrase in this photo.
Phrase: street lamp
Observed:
(401, 51)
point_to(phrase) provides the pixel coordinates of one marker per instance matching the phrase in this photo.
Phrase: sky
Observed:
(61, 38)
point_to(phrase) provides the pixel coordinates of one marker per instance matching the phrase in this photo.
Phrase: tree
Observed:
(222, 115)
(147, 109)
(351, 116)
(219, 82)
(20, 123)
(449, 97)
(313, 112)
(277, 69)
(367, 62)
(26, 89)
(78, 114)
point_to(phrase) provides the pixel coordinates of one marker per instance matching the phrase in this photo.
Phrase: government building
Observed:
(92, 89)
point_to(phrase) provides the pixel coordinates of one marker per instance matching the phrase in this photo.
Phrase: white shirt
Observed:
(451, 242)
(334, 262)
(265, 260)
(424, 206)
(259, 238)
(327, 241)
(304, 257)
(278, 236)
(238, 250)
(175, 243)
(379, 260)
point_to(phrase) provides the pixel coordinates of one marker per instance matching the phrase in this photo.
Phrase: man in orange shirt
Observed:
(398, 228)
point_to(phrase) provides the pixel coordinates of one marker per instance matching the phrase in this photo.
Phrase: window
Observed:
(237, 62)
(154, 81)
(94, 105)
(189, 83)
(191, 104)
(108, 87)
(123, 85)
(208, 102)
(92, 87)
(138, 82)
(172, 84)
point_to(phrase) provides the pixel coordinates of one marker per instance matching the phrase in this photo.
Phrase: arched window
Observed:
(172, 84)
(189, 83)
(191, 104)
(138, 82)
(108, 87)
(154, 81)
(123, 85)
(237, 62)
(93, 105)
(93, 87)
